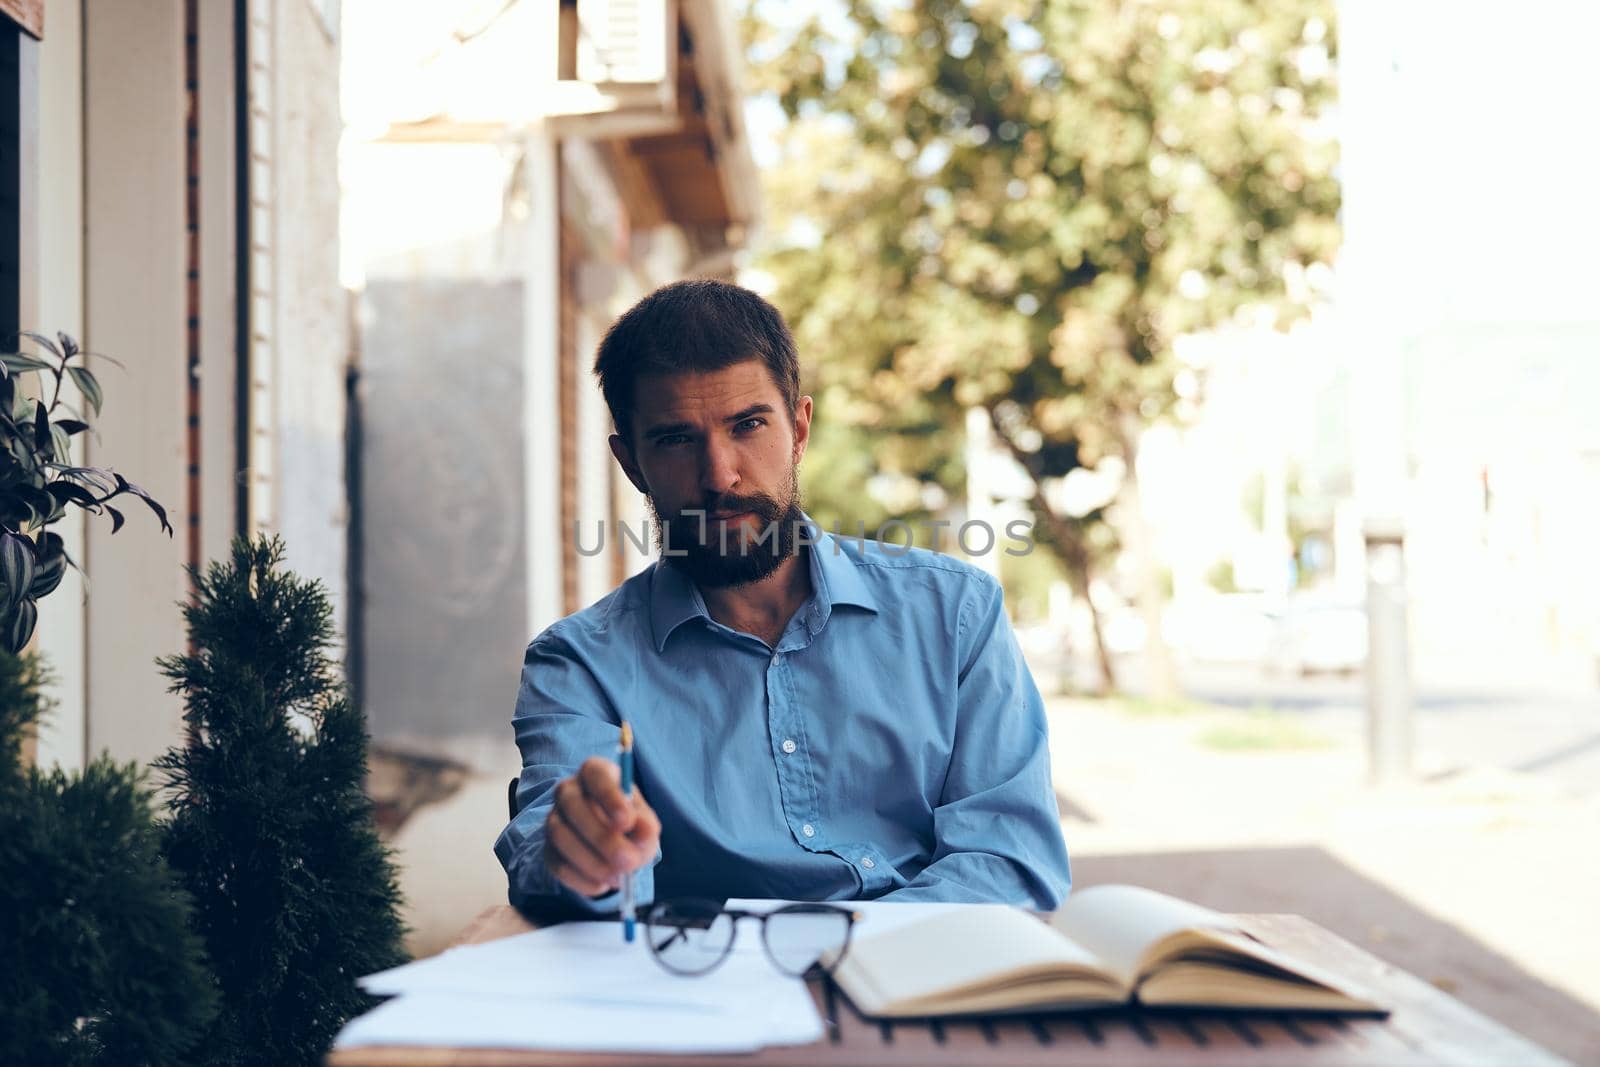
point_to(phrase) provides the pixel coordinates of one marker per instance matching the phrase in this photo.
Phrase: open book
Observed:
(1106, 946)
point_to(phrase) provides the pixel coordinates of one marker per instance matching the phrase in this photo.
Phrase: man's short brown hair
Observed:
(693, 326)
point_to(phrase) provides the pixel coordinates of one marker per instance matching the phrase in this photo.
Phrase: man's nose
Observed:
(719, 467)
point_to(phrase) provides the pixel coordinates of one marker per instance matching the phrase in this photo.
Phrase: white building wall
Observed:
(135, 311)
(311, 313)
(58, 305)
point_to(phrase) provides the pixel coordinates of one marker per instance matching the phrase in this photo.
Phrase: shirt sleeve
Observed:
(562, 718)
(996, 827)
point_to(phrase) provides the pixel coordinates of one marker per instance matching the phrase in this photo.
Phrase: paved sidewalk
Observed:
(1483, 881)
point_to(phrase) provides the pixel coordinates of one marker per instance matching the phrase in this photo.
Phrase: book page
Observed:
(1118, 923)
(955, 951)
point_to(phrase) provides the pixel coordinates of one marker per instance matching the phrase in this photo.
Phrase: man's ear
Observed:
(802, 428)
(620, 449)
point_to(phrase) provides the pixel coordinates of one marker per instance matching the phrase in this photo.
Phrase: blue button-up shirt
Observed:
(892, 744)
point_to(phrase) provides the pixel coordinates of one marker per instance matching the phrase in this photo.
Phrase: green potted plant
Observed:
(38, 480)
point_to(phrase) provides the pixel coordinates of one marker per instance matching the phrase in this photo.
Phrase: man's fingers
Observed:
(573, 854)
(595, 834)
(602, 784)
(646, 832)
(568, 876)
(592, 825)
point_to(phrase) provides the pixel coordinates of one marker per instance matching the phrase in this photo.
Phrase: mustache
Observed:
(763, 506)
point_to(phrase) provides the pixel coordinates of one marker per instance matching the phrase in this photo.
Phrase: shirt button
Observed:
(776, 659)
(866, 861)
(809, 830)
(789, 745)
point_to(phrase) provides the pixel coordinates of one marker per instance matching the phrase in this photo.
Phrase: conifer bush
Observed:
(98, 964)
(271, 830)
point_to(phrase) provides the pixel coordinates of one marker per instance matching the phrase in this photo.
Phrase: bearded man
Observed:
(815, 717)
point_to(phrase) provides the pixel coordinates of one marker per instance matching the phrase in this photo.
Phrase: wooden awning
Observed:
(704, 170)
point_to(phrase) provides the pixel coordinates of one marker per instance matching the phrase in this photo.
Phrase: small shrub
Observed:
(271, 829)
(97, 961)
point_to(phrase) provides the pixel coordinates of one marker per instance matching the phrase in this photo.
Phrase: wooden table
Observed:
(1426, 1027)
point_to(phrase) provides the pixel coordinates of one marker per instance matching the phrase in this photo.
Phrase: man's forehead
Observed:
(704, 392)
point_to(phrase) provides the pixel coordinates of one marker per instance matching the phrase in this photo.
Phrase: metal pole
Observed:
(1389, 728)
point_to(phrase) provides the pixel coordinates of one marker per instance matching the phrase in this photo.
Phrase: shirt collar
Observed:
(840, 576)
(835, 579)
(674, 600)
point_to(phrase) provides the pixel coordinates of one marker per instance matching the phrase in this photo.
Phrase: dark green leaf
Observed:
(16, 562)
(31, 504)
(37, 498)
(160, 512)
(61, 441)
(101, 479)
(18, 447)
(41, 339)
(63, 490)
(69, 345)
(19, 361)
(72, 426)
(116, 518)
(87, 385)
(42, 439)
(19, 625)
(108, 359)
(48, 575)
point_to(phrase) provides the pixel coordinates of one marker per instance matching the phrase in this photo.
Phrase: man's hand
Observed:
(594, 835)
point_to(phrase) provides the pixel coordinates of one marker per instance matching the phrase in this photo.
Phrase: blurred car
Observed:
(1223, 627)
(1318, 637)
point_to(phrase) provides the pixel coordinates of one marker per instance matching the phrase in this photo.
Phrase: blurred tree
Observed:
(1019, 205)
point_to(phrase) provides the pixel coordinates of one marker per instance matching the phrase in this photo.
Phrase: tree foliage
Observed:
(1020, 205)
(271, 830)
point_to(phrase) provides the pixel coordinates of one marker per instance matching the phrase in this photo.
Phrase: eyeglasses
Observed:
(691, 937)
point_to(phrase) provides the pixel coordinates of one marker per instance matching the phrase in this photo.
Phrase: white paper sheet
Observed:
(580, 986)
(573, 960)
(477, 1020)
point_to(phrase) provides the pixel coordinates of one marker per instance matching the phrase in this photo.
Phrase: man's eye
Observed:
(672, 439)
(751, 423)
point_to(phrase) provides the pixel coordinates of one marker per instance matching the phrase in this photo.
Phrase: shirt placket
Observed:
(797, 787)
(797, 781)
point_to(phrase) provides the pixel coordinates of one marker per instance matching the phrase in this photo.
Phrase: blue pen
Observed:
(625, 760)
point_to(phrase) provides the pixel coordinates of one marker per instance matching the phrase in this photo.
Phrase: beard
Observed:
(718, 555)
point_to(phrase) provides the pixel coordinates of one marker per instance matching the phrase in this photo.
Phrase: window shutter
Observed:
(624, 42)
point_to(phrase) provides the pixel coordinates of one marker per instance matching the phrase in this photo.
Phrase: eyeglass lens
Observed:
(688, 936)
(798, 936)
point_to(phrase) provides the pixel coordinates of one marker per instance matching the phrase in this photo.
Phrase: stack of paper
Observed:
(580, 987)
